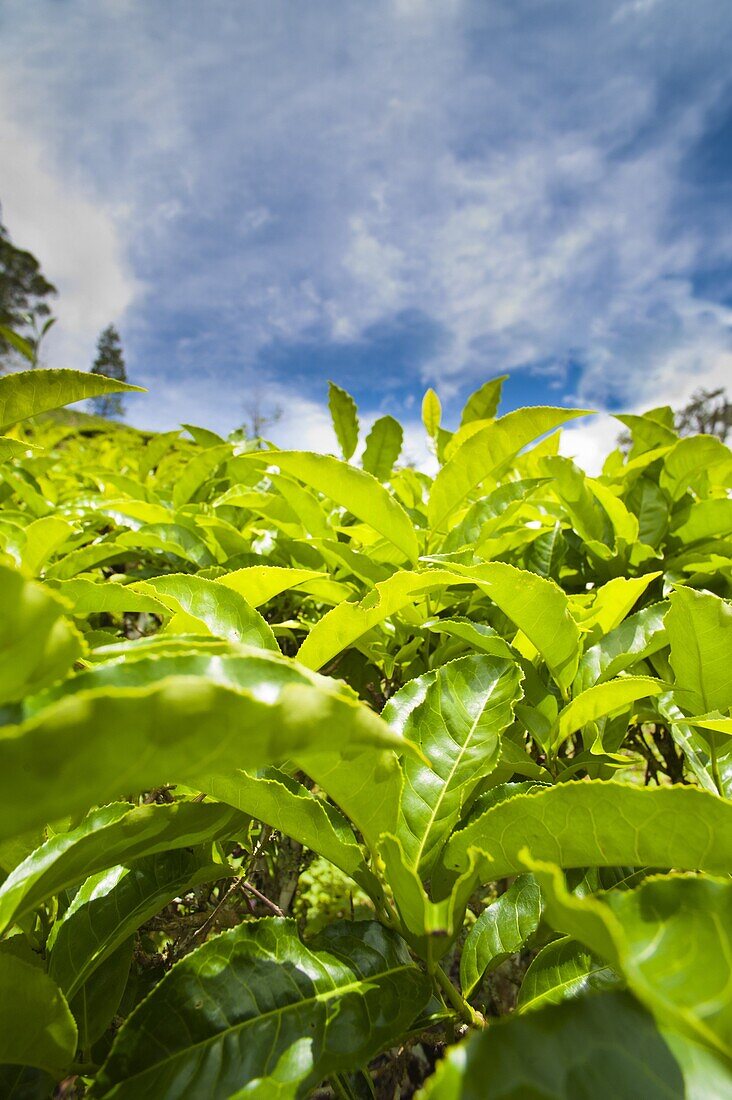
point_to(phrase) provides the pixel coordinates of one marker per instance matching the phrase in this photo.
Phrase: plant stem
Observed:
(716, 774)
(461, 1006)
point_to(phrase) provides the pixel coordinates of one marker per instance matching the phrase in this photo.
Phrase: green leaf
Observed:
(28, 393)
(114, 903)
(85, 597)
(431, 413)
(602, 1047)
(36, 1026)
(383, 447)
(478, 636)
(96, 1003)
(690, 461)
(221, 610)
(210, 715)
(501, 930)
(649, 504)
(481, 457)
(699, 627)
(670, 938)
(430, 926)
(639, 636)
(562, 970)
(259, 584)
(348, 622)
(538, 607)
(255, 1006)
(613, 601)
(292, 809)
(603, 699)
(483, 404)
(86, 557)
(43, 538)
(456, 715)
(37, 644)
(355, 490)
(108, 836)
(600, 824)
(23, 347)
(706, 519)
(366, 787)
(195, 473)
(12, 448)
(344, 414)
(167, 538)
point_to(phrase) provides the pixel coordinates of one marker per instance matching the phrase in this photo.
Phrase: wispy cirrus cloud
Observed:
(285, 187)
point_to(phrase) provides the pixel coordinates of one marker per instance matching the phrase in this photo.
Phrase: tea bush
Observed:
(496, 701)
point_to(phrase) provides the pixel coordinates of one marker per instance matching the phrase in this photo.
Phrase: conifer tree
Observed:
(24, 291)
(111, 363)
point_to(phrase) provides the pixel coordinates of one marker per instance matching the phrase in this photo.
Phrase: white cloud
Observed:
(77, 239)
(310, 172)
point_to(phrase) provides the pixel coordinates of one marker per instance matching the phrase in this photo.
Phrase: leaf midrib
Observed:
(446, 785)
(220, 1035)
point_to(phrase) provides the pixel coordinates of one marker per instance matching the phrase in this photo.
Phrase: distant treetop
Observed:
(110, 362)
(24, 291)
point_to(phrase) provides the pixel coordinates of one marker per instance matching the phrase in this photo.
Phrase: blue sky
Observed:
(390, 193)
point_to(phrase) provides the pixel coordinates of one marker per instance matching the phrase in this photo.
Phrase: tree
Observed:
(24, 291)
(111, 363)
(709, 412)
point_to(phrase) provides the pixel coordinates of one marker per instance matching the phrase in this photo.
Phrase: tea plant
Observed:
(496, 702)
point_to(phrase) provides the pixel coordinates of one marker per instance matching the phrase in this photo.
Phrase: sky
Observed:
(395, 194)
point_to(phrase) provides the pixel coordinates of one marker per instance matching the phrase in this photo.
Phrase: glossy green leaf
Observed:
(12, 448)
(28, 393)
(383, 447)
(562, 970)
(96, 1003)
(358, 492)
(43, 538)
(36, 1025)
(252, 710)
(602, 699)
(670, 938)
(292, 809)
(483, 404)
(690, 461)
(106, 837)
(430, 926)
(482, 456)
(258, 584)
(501, 930)
(539, 609)
(169, 538)
(196, 472)
(456, 715)
(650, 505)
(114, 903)
(477, 636)
(706, 519)
(348, 622)
(699, 628)
(37, 644)
(256, 1006)
(431, 413)
(219, 609)
(639, 636)
(85, 597)
(596, 1048)
(344, 414)
(613, 601)
(600, 824)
